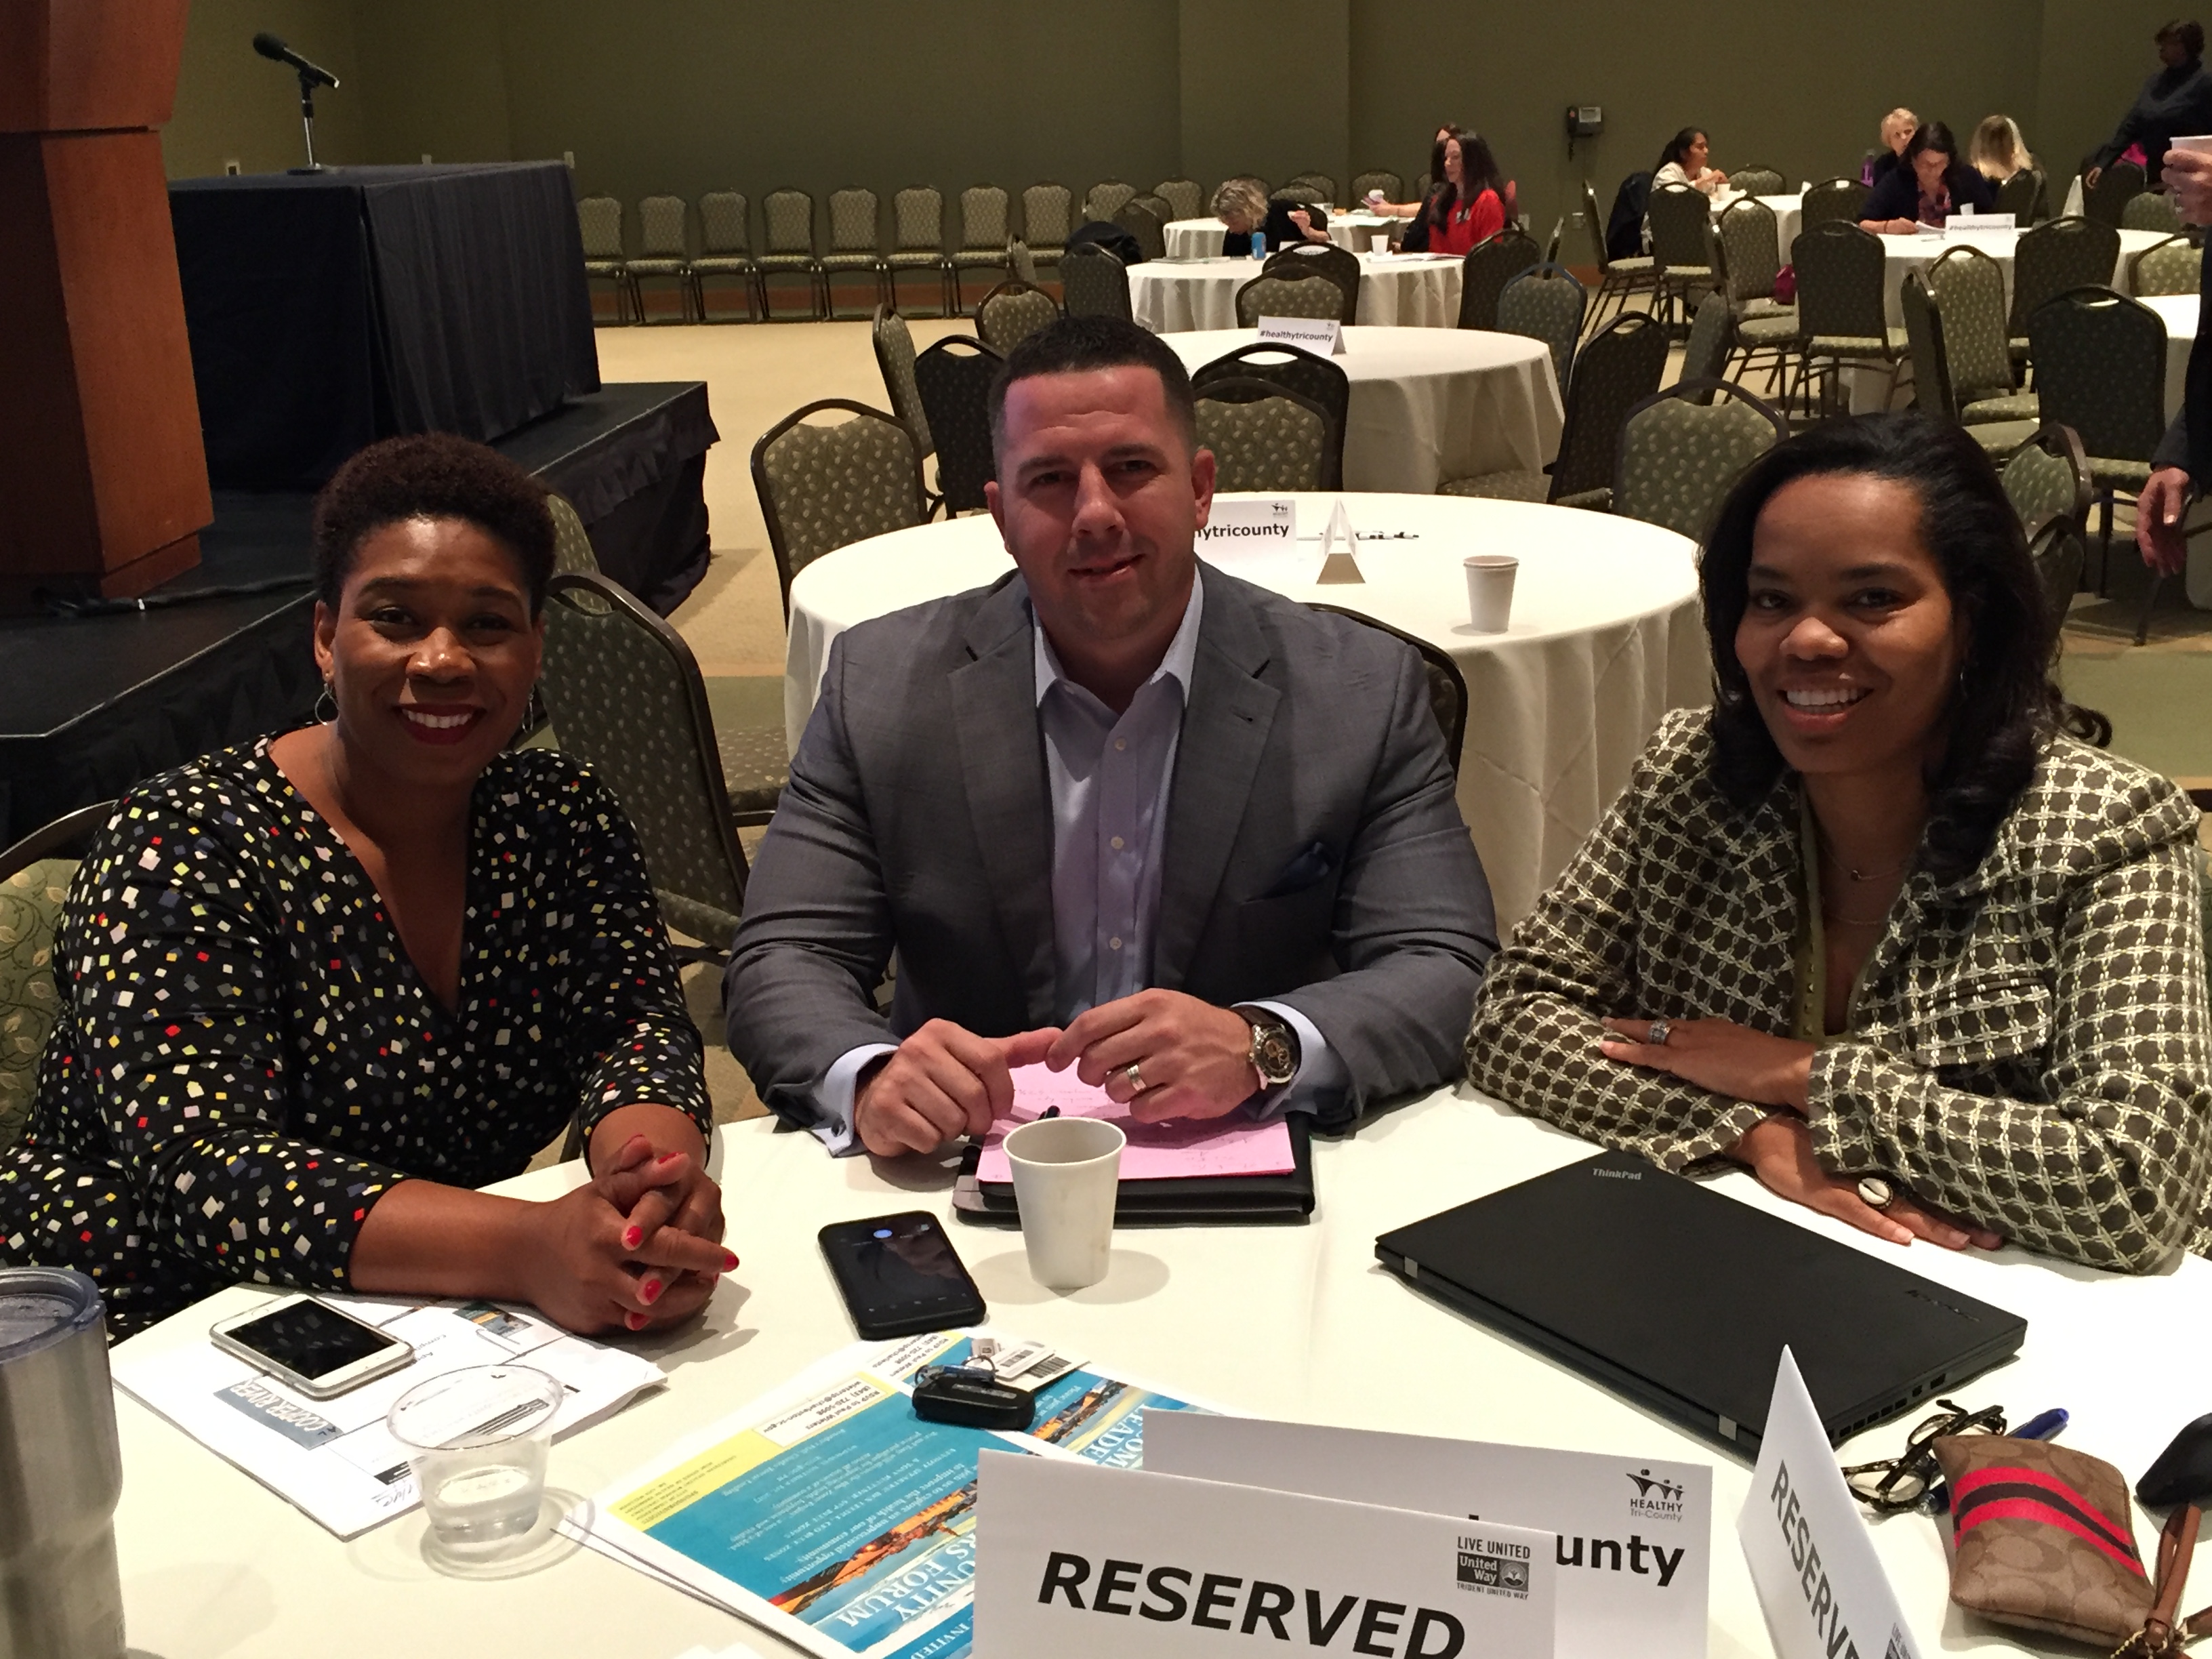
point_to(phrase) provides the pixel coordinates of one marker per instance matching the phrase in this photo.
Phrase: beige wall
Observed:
(691, 95)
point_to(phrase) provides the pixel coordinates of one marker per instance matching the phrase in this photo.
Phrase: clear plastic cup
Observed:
(477, 1440)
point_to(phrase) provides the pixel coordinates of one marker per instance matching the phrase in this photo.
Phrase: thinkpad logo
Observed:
(1655, 1500)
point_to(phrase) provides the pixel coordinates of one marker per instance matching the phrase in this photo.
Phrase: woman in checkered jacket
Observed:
(1880, 924)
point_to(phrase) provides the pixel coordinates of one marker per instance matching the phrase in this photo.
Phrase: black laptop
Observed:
(1682, 1298)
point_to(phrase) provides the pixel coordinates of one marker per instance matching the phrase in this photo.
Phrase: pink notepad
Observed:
(1176, 1150)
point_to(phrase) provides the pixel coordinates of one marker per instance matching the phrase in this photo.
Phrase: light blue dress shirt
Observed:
(1110, 776)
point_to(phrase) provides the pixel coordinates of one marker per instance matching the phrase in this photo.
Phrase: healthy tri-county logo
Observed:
(1655, 1499)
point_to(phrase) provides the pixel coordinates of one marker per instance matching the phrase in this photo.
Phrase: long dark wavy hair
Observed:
(1480, 166)
(2004, 704)
(1679, 146)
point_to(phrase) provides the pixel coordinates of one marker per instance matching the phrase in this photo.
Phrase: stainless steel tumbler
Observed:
(61, 1471)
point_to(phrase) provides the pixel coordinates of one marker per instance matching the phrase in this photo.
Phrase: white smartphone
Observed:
(312, 1346)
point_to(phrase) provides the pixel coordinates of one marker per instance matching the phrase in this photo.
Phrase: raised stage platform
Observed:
(89, 705)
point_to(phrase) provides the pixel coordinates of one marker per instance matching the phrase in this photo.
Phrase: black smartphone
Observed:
(899, 1275)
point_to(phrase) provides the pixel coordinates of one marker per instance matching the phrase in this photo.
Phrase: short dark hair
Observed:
(2005, 703)
(1933, 135)
(2189, 34)
(1078, 345)
(431, 475)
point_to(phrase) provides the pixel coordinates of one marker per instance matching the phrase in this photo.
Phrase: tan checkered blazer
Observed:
(2033, 1047)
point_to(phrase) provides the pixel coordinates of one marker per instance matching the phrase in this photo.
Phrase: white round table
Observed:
(1294, 1323)
(1410, 290)
(2179, 313)
(1606, 638)
(1200, 239)
(1904, 253)
(1430, 404)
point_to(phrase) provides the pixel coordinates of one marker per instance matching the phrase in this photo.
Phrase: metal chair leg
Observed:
(2150, 604)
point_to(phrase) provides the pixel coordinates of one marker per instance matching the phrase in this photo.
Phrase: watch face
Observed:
(1271, 1054)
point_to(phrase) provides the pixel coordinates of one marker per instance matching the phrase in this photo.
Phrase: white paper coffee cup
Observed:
(1380, 243)
(1489, 590)
(1066, 1170)
(2200, 145)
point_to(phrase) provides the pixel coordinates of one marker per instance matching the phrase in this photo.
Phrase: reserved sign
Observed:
(1083, 1562)
(1813, 1562)
(1634, 1535)
(1321, 335)
(1260, 523)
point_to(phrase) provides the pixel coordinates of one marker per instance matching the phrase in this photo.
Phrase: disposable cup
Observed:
(2200, 145)
(477, 1440)
(1380, 243)
(1066, 1172)
(1489, 590)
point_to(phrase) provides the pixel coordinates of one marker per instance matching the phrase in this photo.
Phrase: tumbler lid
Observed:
(41, 1306)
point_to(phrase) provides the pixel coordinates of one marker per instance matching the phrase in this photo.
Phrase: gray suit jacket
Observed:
(1314, 852)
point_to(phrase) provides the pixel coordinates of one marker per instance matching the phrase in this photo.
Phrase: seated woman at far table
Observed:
(1244, 206)
(1880, 926)
(1997, 150)
(1683, 162)
(1933, 185)
(1469, 203)
(1896, 130)
(317, 988)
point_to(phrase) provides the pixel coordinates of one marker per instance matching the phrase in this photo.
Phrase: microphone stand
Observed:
(307, 121)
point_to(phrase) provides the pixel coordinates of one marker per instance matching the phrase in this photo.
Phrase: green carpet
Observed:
(2159, 704)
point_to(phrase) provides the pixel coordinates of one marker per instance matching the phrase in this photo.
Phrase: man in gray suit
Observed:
(1119, 809)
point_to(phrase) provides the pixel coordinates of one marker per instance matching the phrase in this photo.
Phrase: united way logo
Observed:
(1655, 1500)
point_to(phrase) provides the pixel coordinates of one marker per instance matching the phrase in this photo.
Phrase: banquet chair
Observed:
(2101, 369)
(2173, 266)
(789, 214)
(954, 377)
(1144, 217)
(1679, 458)
(1265, 438)
(1045, 210)
(1830, 200)
(2046, 482)
(1317, 379)
(1010, 312)
(1094, 282)
(1933, 392)
(599, 223)
(2152, 210)
(725, 249)
(1544, 302)
(1341, 267)
(34, 881)
(822, 487)
(1707, 353)
(627, 700)
(2022, 196)
(1019, 263)
(1617, 278)
(894, 343)
(1758, 181)
(1970, 291)
(1305, 194)
(1485, 270)
(1447, 685)
(1392, 186)
(1618, 368)
(918, 219)
(1184, 198)
(1841, 317)
(984, 235)
(572, 542)
(2104, 202)
(1762, 326)
(1422, 185)
(1681, 220)
(1103, 201)
(1320, 181)
(661, 251)
(1289, 294)
(2054, 258)
(855, 244)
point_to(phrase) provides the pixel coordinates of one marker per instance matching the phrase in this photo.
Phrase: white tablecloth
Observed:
(1904, 253)
(2179, 312)
(1296, 1324)
(1200, 239)
(1396, 290)
(1606, 638)
(1430, 404)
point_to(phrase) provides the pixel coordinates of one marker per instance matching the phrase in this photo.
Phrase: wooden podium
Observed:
(103, 482)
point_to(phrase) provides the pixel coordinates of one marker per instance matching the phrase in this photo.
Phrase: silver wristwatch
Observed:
(1274, 1051)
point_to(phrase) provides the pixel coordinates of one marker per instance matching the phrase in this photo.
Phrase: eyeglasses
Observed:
(1903, 1482)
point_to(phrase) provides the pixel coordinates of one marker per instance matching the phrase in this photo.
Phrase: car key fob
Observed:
(973, 1399)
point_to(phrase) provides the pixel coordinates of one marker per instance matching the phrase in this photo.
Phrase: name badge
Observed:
(1118, 1563)
(1813, 1562)
(1324, 336)
(1256, 523)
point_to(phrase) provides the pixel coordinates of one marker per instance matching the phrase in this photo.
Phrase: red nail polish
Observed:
(633, 1239)
(650, 1291)
(635, 1322)
(729, 1261)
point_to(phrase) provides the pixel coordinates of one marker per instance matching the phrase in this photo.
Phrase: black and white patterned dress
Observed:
(247, 1059)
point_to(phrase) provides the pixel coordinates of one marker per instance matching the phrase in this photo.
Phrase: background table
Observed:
(1395, 289)
(1200, 239)
(2179, 313)
(1904, 253)
(1429, 404)
(1606, 639)
(330, 309)
(1296, 1323)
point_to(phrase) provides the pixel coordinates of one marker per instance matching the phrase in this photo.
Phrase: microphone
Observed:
(277, 51)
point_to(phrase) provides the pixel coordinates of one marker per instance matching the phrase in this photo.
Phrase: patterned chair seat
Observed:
(850, 261)
(2126, 477)
(915, 258)
(784, 261)
(968, 258)
(1752, 310)
(1511, 486)
(1634, 264)
(659, 267)
(1684, 273)
(30, 914)
(1770, 329)
(1860, 345)
(1590, 500)
(755, 767)
(2012, 406)
(1999, 438)
(722, 264)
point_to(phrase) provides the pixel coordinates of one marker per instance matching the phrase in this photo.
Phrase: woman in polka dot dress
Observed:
(321, 988)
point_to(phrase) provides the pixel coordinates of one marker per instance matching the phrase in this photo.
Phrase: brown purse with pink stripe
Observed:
(2043, 1537)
